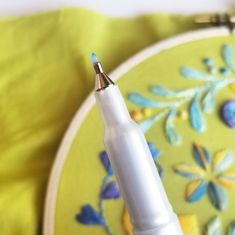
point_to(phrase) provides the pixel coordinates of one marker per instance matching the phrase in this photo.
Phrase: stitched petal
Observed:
(154, 151)
(127, 222)
(228, 55)
(188, 170)
(196, 115)
(173, 137)
(196, 190)
(138, 99)
(147, 124)
(214, 226)
(222, 160)
(89, 216)
(111, 191)
(191, 73)
(208, 103)
(231, 229)
(105, 160)
(227, 180)
(218, 197)
(202, 156)
(189, 224)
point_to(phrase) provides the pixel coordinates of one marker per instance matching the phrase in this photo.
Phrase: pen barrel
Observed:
(134, 168)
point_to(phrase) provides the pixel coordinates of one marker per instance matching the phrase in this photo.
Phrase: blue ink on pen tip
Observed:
(94, 58)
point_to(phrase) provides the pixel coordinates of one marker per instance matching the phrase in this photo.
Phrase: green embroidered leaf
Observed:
(196, 115)
(171, 133)
(214, 227)
(191, 73)
(228, 55)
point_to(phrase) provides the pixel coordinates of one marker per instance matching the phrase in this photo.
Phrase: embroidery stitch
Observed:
(214, 168)
(109, 190)
(214, 227)
(202, 99)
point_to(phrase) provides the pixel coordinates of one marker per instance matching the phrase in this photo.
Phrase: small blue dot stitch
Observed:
(225, 71)
(208, 62)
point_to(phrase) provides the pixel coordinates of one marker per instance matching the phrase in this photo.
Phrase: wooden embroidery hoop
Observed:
(54, 180)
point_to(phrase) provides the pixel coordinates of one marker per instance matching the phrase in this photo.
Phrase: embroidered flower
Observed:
(228, 113)
(210, 176)
(89, 216)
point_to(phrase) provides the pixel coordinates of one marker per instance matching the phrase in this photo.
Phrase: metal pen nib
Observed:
(102, 79)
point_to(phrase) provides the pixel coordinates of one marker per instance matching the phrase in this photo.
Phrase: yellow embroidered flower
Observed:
(209, 176)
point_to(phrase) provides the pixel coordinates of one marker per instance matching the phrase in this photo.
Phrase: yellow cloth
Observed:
(45, 74)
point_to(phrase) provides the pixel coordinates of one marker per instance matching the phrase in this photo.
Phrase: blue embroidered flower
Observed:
(89, 216)
(111, 191)
(209, 177)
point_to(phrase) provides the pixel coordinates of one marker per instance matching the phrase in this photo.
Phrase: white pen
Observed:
(132, 163)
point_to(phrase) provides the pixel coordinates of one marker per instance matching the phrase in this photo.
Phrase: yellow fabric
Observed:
(45, 74)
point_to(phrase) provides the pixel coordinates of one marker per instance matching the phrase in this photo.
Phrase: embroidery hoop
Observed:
(55, 175)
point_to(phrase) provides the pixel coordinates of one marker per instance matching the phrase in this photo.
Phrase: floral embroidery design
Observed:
(201, 99)
(109, 191)
(214, 227)
(210, 176)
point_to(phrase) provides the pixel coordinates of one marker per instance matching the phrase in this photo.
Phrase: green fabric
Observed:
(45, 74)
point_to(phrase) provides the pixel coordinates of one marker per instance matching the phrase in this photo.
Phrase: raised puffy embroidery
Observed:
(209, 176)
(90, 216)
(201, 99)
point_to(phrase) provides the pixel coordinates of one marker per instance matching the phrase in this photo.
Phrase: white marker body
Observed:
(134, 168)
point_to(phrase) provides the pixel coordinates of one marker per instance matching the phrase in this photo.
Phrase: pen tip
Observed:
(94, 58)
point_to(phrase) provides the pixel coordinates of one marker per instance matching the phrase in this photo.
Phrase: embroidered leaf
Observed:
(228, 55)
(223, 159)
(227, 180)
(209, 101)
(191, 73)
(217, 196)
(196, 190)
(196, 115)
(147, 124)
(189, 224)
(154, 151)
(214, 226)
(160, 91)
(127, 222)
(231, 229)
(189, 170)
(111, 191)
(105, 160)
(202, 156)
(171, 134)
(138, 99)
(89, 216)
